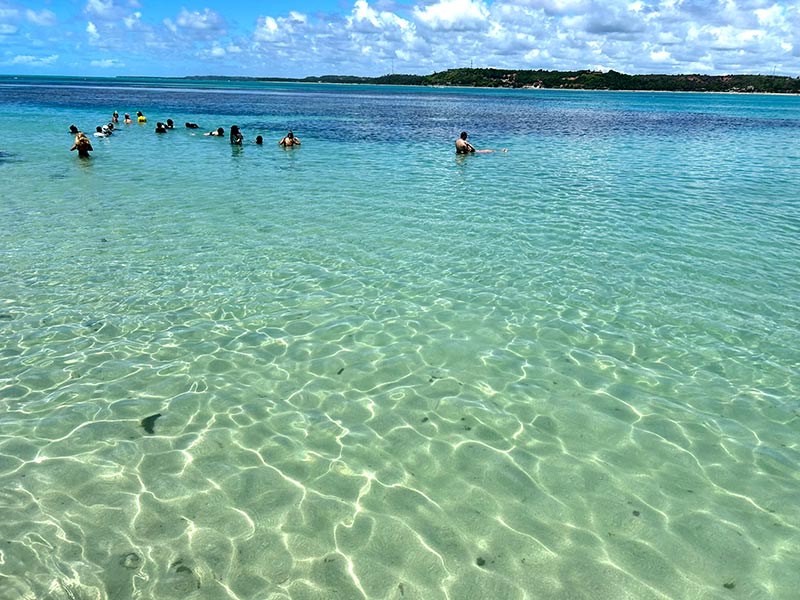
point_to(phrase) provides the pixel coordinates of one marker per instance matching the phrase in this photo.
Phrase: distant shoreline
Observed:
(562, 80)
(489, 79)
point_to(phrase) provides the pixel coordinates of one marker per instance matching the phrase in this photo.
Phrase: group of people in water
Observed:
(83, 144)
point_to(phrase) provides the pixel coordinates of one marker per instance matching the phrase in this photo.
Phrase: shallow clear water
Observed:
(383, 371)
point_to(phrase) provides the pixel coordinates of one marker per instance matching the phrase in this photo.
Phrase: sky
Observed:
(279, 38)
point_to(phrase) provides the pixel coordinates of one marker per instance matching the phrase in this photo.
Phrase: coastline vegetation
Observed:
(576, 80)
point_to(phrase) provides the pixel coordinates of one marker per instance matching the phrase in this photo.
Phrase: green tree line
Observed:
(613, 80)
(577, 80)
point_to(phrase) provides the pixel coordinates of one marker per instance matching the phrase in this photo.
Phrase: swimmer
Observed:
(464, 147)
(219, 132)
(236, 136)
(73, 130)
(289, 140)
(98, 132)
(115, 117)
(192, 125)
(128, 119)
(82, 145)
(140, 118)
(259, 140)
(161, 128)
(169, 124)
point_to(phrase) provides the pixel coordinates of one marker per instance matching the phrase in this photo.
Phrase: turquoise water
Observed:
(383, 371)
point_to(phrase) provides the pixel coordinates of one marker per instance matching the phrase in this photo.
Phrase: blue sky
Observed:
(364, 37)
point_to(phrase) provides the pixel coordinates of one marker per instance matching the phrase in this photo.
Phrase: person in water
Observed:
(82, 145)
(161, 128)
(169, 124)
(218, 133)
(140, 117)
(192, 125)
(128, 119)
(236, 136)
(74, 130)
(259, 140)
(289, 140)
(464, 147)
(115, 117)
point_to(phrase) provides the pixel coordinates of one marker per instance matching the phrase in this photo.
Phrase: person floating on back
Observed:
(82, 145)
(464, 147)
(289, 140)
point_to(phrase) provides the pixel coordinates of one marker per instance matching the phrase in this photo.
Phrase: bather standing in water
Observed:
(82, 145)
(289, 140)
(236, 136)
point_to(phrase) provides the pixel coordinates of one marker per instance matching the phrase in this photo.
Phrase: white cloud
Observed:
(208, 26)
(268, 30)
(8, 29)
(102, 9)
(133, 20)
(91, 29)
(218, 52)
(297, 17)
(34, 61)
(365, 19)
(44, 18)
(208, 20)
(282, 29)
(772, 16)
(613, 21)
(453, 15)
(107, 63)
(660, 56)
